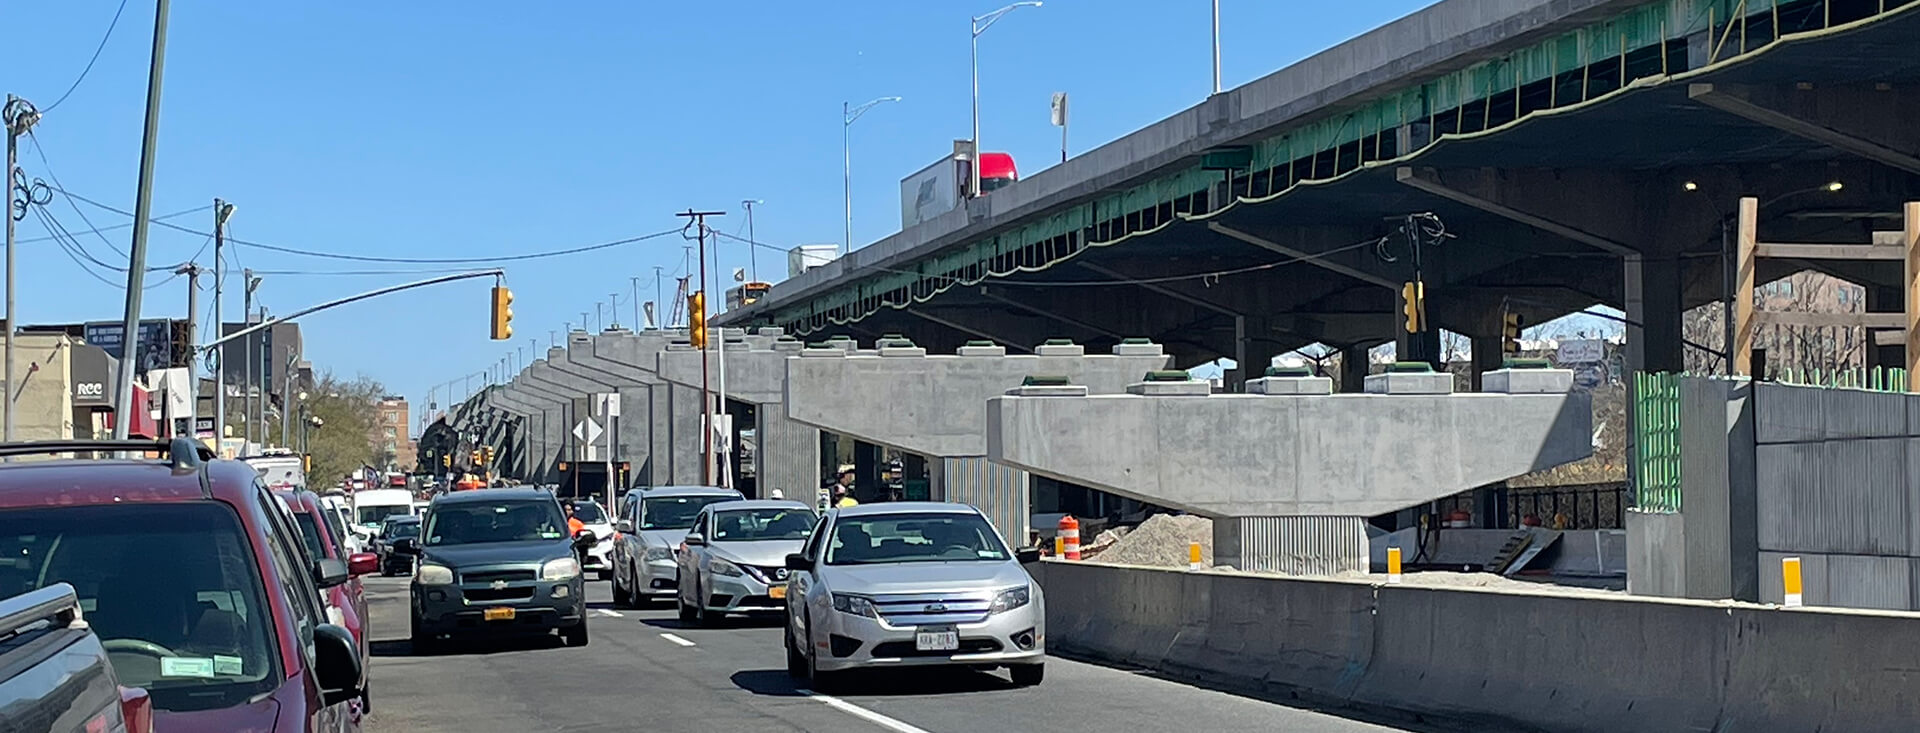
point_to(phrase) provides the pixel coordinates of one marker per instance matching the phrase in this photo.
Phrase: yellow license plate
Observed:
(777, 592)
(497, 614)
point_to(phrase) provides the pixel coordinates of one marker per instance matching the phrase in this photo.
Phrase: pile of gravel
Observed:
(1162, 541)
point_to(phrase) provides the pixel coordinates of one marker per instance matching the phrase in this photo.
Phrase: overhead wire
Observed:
(104, 37)
(396, 260)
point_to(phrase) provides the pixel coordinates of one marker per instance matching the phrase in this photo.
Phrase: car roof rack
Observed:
(182, 453)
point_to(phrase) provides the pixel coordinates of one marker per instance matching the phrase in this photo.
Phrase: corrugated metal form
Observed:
(788, 455)
(1295, 545)
(997, 491)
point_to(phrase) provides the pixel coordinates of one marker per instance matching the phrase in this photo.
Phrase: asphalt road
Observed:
(643, 670)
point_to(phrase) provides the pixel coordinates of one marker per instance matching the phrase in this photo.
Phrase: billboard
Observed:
(156, 342)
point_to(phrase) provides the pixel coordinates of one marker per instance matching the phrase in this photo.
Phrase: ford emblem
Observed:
(936, 608)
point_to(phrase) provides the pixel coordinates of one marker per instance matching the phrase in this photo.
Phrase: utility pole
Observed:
(142, 216)
(221, 212)
(19, 116)
(251, 283)
(286, 402)
(722, 417)
(753, 255)
(266, 378)
(658, 303)
(613, 309)
(192, 271)
(706, 394)
(637, 323)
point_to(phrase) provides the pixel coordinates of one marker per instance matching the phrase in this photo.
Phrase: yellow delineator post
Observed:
(1193, 556)
(1060, 547)
(1790, 581)
(1393, 566)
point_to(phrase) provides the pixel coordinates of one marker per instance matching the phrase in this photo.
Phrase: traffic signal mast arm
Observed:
(271, 322)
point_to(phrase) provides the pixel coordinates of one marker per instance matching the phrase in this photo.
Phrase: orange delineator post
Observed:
(1069, 535)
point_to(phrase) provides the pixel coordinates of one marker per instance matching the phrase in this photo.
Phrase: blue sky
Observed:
(434, 128)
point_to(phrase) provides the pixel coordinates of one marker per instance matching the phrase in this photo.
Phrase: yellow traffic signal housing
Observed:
(1510, 332)
(697, 319)
(446, 460)
(502, 313)
(1413, 313)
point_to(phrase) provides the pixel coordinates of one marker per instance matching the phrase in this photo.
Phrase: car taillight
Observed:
(137, 707)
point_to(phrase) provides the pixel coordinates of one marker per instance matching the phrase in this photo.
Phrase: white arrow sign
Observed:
(587, 431)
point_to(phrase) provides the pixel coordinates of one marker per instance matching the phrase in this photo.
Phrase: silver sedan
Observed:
(735, 561)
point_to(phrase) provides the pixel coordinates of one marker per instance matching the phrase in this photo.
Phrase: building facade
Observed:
(390, 437)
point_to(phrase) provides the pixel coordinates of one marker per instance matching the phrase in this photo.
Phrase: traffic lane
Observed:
(748, 650)
(627, 678)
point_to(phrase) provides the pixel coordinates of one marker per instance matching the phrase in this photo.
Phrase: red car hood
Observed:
(256, 717)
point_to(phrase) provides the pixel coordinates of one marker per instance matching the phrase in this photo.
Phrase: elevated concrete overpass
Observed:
(1552, 138)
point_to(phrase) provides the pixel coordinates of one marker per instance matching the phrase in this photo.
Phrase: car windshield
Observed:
(750, 525)
(589, 513)
(401, 530)
(929, 537)
(372, 516)
(508, 520)
(171, 589)
(674, 512)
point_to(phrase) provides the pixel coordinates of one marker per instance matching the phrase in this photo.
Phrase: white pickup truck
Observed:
(54, 673)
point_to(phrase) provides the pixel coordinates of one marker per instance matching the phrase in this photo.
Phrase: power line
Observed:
(96, 57)
(112, 227)
(395, 260)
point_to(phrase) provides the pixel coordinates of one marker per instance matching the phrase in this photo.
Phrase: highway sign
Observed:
(587, 431)
(1582, 351)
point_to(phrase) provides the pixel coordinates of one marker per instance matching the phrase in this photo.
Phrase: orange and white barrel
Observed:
(1069, 534)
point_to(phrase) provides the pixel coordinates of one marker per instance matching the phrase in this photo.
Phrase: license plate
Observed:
(497, 614)
(936, 641)
(777, 592)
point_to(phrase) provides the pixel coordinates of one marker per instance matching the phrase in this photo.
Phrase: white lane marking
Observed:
(609, 614)
(863, 713)
(676, 639)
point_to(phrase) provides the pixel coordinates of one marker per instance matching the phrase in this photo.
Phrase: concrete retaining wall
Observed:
(1554, 662)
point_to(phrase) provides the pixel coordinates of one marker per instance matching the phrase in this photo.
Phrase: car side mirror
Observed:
(362, 563)
(337, 664)
(797, 561)
(1027, 555)
(623, 526)
(695, 539)
(407, 546)
(585, 539)
(329, 572)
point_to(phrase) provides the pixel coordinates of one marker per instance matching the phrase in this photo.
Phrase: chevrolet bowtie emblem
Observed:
(499, 585)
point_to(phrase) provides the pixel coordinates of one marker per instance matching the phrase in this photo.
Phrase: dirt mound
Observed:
(1162, 541)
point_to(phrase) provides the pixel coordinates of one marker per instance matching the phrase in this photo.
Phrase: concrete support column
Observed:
(1293, 545)
(1354, 364)
(1653, 315)
(913, 467)
(1487, 356)
(788, 457)
(683, 436)
(1250, 354)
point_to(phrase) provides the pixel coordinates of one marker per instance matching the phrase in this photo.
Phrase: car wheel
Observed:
(620, 597)
(423, 643)
(1028, 675)
(575, 635)
(686, 611)
(796, 663)
(827, 682)
(701, 616)
(605, 575)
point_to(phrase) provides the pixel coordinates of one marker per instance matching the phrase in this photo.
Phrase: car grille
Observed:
(902, 649)
(925, 609)
(488, 595)
(769, 574)
(488, 576)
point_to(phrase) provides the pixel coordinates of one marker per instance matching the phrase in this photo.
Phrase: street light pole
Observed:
(847, 116)
(1216, 46)
(221, 212)
(142, 217)
(980, 25)
(19, 116)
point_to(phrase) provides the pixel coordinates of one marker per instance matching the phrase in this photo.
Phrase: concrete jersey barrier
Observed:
(1506, 658)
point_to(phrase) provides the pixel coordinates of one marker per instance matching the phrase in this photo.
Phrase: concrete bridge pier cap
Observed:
(935, 406)
(1290, 472)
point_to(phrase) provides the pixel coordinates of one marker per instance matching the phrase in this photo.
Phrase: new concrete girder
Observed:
(935, 405)
(1256, 455)
(1875, 123)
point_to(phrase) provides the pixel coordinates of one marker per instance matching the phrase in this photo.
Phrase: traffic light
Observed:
(502, 313)
(1510, 332)
(1413, 297)
(446, 460)
(697, 319)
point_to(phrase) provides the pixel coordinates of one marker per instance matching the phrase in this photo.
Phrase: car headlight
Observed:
(560, 569)
(1010, 599)
(856, 605)
(431, 574)
(659, 553)
(722, 567)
